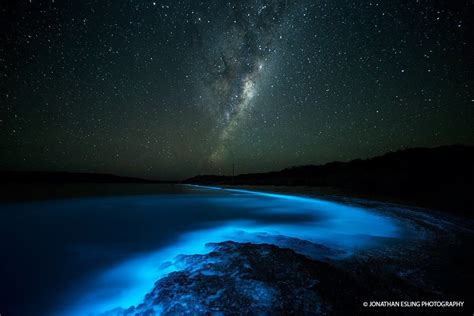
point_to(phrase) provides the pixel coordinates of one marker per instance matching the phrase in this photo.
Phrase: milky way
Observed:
(248, 30)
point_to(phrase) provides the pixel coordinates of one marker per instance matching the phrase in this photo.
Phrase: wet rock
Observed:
(263, 279)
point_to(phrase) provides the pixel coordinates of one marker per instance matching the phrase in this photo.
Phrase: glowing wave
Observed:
(328, 223)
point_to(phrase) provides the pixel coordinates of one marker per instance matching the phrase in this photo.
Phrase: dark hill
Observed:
(441, 178)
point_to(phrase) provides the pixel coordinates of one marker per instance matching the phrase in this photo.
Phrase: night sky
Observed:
(171, 89)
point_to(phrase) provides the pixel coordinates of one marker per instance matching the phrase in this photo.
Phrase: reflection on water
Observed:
(107, 252)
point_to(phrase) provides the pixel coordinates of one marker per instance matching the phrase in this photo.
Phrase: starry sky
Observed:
(171, 89)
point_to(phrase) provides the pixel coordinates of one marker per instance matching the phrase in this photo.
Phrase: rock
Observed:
(263, 279)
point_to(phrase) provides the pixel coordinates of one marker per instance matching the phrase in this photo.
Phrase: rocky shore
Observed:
(266, 279)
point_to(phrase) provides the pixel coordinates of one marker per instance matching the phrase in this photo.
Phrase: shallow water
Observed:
(88, 255)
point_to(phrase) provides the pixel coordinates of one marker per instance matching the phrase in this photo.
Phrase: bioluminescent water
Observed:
(97, 254)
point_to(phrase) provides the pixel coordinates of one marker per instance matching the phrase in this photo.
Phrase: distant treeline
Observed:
(439, 177)
(65, 177)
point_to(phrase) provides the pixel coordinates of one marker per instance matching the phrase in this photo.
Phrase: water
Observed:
(87, 255)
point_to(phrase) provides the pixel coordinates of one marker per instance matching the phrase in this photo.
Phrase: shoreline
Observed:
(352, 198)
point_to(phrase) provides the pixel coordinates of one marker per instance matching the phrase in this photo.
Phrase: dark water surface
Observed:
(83, 254)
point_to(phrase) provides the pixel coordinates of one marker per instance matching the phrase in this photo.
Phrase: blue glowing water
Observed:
(107, 252)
